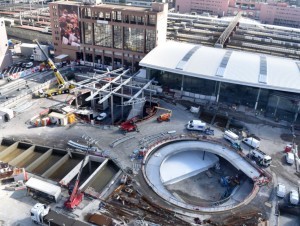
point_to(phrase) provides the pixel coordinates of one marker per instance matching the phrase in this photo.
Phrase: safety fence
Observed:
(204, 207)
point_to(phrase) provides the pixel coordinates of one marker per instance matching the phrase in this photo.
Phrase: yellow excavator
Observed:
(164, 117)
(63, 86)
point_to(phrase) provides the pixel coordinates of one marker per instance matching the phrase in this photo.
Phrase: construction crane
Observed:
(76, 196)
(63, 86)
(164, 117)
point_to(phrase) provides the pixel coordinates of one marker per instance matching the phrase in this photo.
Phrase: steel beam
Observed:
(114, 90)
(139, 92)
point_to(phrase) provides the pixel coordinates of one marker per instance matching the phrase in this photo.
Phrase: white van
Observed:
(280, 190)
(196, 125)
(294, 197)
(290, 158)
(252, 142)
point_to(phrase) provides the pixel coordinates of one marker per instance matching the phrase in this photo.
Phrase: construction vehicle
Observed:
(260, 157)
(164, 117)
(233, 139)
(76, 195)
(63, 86)
(129, 125)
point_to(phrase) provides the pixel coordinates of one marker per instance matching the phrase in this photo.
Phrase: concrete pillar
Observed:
(182, 82)
(275, 112)
(257, 99)
(66, 180)
(218, 92)
(297, 113)
(122, 103)
(93, 100)
(8, 150)
(39, 161)
(22, 156)
(58, 164)
(112, 109)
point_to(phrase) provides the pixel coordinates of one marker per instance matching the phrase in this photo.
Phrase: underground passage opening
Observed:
(199, 174)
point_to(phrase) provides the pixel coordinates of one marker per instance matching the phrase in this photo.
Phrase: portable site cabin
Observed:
(43, 189)
(59, 119)
(3, 117)
(9, 113)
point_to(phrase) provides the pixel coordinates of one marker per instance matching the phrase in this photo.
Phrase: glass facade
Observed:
(278, 105)
(88, 33)
(134, 39)
(150, 40)
(103, 35)
(118, 37)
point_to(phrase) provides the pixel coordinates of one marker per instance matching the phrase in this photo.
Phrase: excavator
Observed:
(166, 116)
(63, 86)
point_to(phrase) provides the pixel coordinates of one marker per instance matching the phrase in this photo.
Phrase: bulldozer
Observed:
(166, 116)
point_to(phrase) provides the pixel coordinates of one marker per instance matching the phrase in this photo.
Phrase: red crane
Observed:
(77, 196)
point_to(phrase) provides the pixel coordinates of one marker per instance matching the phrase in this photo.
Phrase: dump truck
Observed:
(260, 157)
(42, 214)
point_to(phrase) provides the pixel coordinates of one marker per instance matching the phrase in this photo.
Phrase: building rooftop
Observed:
(226, 65)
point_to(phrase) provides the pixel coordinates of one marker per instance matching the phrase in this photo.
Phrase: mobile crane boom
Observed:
(76, 195)
(59, 77)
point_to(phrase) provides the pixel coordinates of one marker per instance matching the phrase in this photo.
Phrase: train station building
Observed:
(107, 35)
(257, 82)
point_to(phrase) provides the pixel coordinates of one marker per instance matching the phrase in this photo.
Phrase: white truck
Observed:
(42, 214)
(231, 137)
(261, 158)
(252, 142)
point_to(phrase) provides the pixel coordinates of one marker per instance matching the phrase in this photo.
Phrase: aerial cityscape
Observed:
(149, 112)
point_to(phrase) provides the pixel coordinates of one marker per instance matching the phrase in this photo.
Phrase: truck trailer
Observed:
(231, 137)
(44, 189)
(252, 142)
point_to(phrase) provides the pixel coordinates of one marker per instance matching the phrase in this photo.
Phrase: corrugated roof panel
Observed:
(221, 70)
(263, 78)
(186, 58)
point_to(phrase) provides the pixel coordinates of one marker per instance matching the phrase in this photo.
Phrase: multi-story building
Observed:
(270, 12)
(280, 14)
(5, 54)
(214, 7)
(104, 34)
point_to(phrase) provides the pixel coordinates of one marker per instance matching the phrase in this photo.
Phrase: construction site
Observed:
(87, 146)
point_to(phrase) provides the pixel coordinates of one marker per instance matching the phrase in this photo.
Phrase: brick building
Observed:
(107, 35)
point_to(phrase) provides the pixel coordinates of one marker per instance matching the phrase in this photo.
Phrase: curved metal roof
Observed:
(226, 65)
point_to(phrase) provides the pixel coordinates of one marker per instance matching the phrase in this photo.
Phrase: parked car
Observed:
(294, 197)
(101, 116)
(29, 65)
(280, 190)
(290, 158)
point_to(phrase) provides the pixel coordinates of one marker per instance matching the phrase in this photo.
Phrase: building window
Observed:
(103, 35)
(117, 37)
(134, 39)
(150, 40)
(88, 33)
(152, 20)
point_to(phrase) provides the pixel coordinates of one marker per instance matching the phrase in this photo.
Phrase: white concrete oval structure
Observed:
(162, 166)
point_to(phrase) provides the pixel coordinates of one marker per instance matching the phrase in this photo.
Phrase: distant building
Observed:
(107, 35)
(5, 54)
(270, 12)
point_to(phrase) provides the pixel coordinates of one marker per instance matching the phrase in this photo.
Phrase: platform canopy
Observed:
(226, 65)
